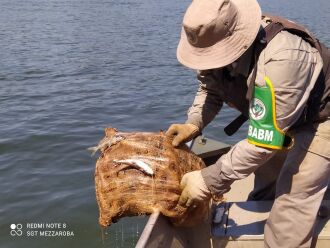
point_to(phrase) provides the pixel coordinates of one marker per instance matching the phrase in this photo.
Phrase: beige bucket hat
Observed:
(217, 32)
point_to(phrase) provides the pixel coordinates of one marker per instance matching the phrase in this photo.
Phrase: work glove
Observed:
(194, 190)
(181, 133)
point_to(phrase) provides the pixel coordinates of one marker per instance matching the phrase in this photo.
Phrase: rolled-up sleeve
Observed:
(207, 102)
(293, 73)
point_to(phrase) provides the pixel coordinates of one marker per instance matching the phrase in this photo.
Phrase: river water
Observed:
(69, 68)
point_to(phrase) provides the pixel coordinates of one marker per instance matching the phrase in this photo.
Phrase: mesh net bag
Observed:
(139, 173)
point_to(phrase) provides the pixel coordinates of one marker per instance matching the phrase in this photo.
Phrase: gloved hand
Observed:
(194, 190)
(182, 133)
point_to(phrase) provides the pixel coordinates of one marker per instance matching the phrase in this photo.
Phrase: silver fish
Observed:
(104, 143)
(138, 164)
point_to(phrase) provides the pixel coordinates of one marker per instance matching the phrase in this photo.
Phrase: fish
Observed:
(140, 174)
(109, 140)
(140, 165)
(106, 142)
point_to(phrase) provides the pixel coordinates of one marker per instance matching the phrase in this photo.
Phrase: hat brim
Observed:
(229, 49)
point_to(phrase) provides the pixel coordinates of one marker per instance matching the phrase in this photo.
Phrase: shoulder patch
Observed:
(257, 109)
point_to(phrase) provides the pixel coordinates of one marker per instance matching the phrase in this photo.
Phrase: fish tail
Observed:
(93, 150)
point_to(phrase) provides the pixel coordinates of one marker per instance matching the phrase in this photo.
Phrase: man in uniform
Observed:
(277, 77)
